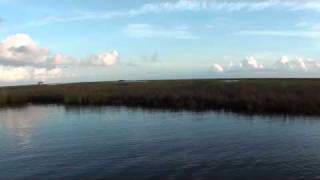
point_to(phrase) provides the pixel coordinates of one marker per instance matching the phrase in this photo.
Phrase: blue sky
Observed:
(153, 39)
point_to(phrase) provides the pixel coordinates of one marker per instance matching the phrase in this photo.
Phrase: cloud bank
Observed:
(283, 65)
(21, 59)
(12, 74)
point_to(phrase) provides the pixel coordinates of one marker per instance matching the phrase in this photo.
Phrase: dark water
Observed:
(55, 142)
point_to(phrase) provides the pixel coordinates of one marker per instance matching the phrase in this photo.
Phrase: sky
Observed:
(105, 40)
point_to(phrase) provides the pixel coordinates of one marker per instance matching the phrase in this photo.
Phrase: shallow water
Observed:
(59, 142)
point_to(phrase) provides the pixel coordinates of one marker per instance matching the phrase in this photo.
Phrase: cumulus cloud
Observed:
(297, 64)
(283, 65)
(20, 49)
(152, 31)
(105, 59)
(21, 58)
(251, 63)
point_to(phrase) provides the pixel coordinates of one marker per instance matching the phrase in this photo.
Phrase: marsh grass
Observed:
(271, 96)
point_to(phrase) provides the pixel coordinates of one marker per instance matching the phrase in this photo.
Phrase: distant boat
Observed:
(41, 83)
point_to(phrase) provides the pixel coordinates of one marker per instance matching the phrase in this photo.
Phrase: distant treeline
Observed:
(266, 96)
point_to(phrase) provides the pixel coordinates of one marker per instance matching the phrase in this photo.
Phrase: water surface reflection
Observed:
(59, 142)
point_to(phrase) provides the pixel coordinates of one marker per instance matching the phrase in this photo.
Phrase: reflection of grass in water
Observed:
(292, 96)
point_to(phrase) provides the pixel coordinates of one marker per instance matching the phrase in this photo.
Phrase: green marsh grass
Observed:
(289, 96)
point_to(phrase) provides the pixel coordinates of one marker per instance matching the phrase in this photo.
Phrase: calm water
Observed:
(55, 142)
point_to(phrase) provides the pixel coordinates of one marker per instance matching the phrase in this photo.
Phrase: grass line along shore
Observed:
(266, 96)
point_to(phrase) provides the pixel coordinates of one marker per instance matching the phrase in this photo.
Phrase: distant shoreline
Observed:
(254, 96)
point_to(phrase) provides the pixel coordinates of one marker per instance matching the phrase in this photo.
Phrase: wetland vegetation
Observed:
(262, 96)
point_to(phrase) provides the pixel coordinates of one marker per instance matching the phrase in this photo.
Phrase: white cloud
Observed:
(297, 64)
(21, 59)
(20, 49)
(248, 64)
(60, 59)
(312, 64)
(105, 59)
(45, 74)
(151, 31)
(282, 66)
(9, 73)
(218, 68)
(283, 63)
(251, 63)
(102, 59)
(12, 74)
(225, 67)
